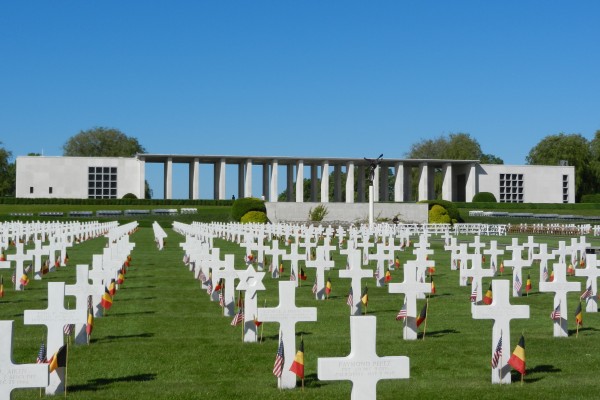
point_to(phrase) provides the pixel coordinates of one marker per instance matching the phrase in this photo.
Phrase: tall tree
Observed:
(102, 142)
(573, 148)
(7, 173)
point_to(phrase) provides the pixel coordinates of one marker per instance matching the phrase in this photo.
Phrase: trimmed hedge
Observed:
(449, 206)
(439, 215)
(484, 197)
(115, 202)
(591, 198)
(254, 217)
(241, 207)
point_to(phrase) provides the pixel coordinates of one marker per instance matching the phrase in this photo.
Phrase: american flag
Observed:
(517, 284)
(350, 300)
(41, 357)
(474, 294)
(202, 277)
(554, 315)
(68, 329)
(377, 274)
(186, 259)
(238, 318)
(587, 294)
(293, 276)
(14, 278)
(314, 288)
(403, 313)
(221, 298)
(497, 353)
(90, 302)
(209, 288)
(279, 360)
(545, 274)
(494, 267)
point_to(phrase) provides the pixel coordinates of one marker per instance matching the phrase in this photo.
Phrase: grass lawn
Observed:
(164, 338)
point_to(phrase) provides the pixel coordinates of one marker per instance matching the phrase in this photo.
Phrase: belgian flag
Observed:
(328, 287)
(432, 285)
(528, 284)
(517, 359)
(59, 359)
(302, 274)
(106, 300)
(388, 276)
(579, 315)
(422, 316)
(112, 288)
(90, 321)
(487, 299)
(365, 296)
(1, 286)
(297, 366)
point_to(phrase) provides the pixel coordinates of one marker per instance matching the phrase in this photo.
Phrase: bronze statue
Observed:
(373, 164)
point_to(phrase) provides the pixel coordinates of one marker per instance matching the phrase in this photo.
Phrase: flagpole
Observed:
(426, 312)
(66, 366)
(262, 326)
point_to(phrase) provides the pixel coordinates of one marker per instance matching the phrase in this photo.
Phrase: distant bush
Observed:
(591, 198)
(439, 215)
(254, 217)
(242, 206)
(449, 206)
(130, 196)
(318, 213)
(484, 197)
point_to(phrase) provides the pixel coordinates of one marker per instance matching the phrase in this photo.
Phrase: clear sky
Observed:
(298, 78)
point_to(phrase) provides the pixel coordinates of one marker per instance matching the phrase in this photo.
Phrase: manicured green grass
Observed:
(164, 339)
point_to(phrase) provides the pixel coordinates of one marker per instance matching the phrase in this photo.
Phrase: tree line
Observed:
(573, 148)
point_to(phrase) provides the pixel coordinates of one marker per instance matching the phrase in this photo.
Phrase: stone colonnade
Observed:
(458, 178)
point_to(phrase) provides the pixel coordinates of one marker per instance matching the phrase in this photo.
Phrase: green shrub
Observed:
(242, 206)
(318, 213)
(252, 217)
(591, 198)
(438, 215)
(449, 206)
(485, 197)
(130, 196)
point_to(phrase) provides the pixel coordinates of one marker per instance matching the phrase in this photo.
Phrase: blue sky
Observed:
(298, 78)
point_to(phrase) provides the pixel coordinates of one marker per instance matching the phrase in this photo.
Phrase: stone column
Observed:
(142, 194)
(266, 178)
(350, 182)
(398, 182)
(423, 181)
(471, 182)
(290, 182)
(219, 180)
(300, 181)
(376, 184)
(273, 193)
(248, 179)
(447, 182)
(408, 196)
(314, 179)
(168, 188)
(325, 182)
(193, 179)
(241, 181)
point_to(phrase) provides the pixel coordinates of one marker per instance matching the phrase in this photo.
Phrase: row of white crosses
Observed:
(54, 317)
(159, 235)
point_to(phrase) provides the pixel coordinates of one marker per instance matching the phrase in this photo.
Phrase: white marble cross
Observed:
(562, 252)
(275, 252)
(462, 258)
(82, 289)
(328, 248)
(287, 315)
(453, 247)
(55, 317)
(477, 244)
(412, 289)
(517, 263)
(294, 257)
(494, 252)
(592, 272)
(560, 286)
(578, 250)
(502, 312)
(477, 273)
(18, 257)
(37, 253)
(17, 376)
(363, 367)
(381, 256)
(225, 270)
(530, 245)
(356, 274)
(364, 245)
(544, 256)
(250, 282)
(321, 265)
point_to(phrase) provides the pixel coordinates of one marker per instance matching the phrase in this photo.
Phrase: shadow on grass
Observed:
(96, 384)
(114, 337)
(436, 334)
(574, 331)
(312, 381)
(131, 313)
(381, 311)
(543, 368)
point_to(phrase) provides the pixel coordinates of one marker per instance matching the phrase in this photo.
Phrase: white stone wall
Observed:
(541, 183)
(68, 176)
